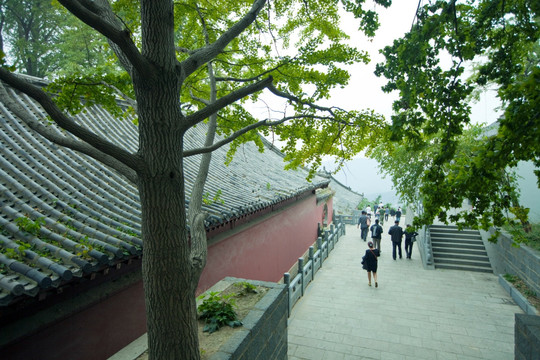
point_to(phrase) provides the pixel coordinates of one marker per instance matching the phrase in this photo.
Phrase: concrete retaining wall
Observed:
(527, 337)
(521, 261)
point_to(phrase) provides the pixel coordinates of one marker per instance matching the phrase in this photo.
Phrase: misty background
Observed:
(363, 176)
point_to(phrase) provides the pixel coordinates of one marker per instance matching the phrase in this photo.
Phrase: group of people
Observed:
(396, 233)
(381, 212)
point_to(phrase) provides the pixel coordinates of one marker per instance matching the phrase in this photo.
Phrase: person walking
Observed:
(396, 235)
(381, 215)
(410, 238)
(386, 213)
(363, 223)
(370, 263)
(398, 214)
(376, 234)
(368, 212)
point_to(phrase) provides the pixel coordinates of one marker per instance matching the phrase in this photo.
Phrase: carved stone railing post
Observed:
(287, 281)
(312, 259)
(301, 272)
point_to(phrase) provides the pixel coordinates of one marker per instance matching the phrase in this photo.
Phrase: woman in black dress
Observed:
(371, 263)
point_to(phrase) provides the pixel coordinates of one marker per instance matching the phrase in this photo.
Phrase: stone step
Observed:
(455, 235)
(458, 249)
(463, 268)
(473, 256)
(457, 246)
(462, 262)
(450, 229)
(456, 241)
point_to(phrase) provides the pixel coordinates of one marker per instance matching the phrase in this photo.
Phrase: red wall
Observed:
(95, 333)
(268, 249)
(263, 251)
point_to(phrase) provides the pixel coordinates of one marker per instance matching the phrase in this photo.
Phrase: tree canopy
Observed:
(42, 40)
(179, 63)
(453, 49)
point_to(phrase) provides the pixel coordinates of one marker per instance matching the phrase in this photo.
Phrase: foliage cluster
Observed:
(23, 251)
(531, 238)
(306, 59)
(30, 226)
(218, 310)
(247, 288)
(431, 142)
(42, 39)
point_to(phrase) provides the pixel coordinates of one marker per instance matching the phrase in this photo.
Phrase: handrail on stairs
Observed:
(427, 249)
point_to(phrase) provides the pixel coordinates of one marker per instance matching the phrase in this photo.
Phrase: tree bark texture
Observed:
(167, 267)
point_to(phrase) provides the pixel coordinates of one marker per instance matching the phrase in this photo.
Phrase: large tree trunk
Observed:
(167, 268)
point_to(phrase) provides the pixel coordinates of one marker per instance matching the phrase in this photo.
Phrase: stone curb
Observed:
(520, 300)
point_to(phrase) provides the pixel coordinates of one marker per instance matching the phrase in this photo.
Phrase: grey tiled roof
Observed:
(90, 214)
(345, 200)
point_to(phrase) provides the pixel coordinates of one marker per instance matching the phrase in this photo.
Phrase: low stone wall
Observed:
(527, 337)
(521, 261)
(264, 332)
(518, 297)
(262, 336)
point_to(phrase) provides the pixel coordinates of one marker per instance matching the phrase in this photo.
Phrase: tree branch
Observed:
(120, 93)
(282, 94)
(217, 145)
(196, 216)
(244, 130)
(200, 57)
(67, 123)
(184, 50)
(226, 100)
(199, 99)
(53, 136)
(254, 77)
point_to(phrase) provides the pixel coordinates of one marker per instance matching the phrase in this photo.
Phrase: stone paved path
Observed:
(414, 314)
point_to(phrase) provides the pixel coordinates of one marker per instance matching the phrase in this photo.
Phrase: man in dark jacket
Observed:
(376, 232)
(363, 223)
(396, 235)
(410, 236)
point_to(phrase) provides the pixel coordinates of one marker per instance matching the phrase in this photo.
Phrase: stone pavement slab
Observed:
(413, 314)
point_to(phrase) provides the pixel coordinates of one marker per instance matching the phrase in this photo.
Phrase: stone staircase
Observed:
(458, 250)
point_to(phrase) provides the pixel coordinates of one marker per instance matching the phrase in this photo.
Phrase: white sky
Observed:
(364, 90)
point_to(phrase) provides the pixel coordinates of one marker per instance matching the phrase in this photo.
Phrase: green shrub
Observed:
(530, 238)
(218, 311)
(247, 287)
